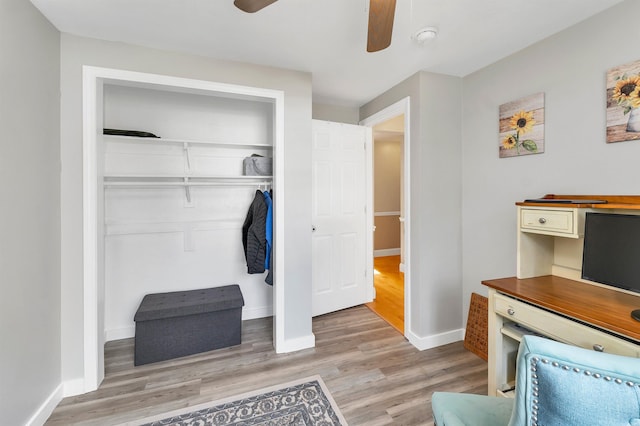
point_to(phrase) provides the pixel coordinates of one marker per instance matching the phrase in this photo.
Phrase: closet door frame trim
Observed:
(93, 81)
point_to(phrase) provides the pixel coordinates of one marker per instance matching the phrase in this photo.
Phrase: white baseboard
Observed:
(73, 387)
(119, 333)
(260, 312)
(292, 345)
(435, 340)
(402, 268)
(46, 408)
(386, 252)
(128, 332)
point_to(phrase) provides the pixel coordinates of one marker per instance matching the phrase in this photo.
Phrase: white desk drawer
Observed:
(548, 221)
(562, 329)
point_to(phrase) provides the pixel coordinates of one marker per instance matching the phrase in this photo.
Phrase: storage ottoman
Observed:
(171, 325)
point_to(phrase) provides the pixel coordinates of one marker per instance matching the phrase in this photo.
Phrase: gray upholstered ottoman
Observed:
(171, 325)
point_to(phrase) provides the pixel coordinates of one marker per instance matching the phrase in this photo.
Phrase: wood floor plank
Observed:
(374, 374)
(389, 285)
(105, 410)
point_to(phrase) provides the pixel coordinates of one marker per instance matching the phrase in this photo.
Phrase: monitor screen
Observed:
(612, 250)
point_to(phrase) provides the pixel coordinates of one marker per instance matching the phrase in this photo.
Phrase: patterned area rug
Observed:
(304, 402)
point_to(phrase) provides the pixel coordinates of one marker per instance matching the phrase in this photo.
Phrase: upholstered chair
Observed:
(556, 385)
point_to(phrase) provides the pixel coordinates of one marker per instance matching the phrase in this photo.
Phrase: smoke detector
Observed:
(425, 35)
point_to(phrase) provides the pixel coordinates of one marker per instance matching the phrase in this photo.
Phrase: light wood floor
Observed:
(375, 376)
(389, 285)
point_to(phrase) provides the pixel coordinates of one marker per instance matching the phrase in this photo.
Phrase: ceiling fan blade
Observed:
(252, 6)
(381, 13)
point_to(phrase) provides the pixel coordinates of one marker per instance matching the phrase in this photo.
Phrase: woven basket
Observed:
(477, 333)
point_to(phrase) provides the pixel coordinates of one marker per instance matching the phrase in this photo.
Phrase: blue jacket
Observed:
(269, 236)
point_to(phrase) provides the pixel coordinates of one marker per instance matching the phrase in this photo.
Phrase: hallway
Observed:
(389, 284)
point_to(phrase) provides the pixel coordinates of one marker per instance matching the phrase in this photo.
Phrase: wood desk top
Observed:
(628, 202)
(603, 307)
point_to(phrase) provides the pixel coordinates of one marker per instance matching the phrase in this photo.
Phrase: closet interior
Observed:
(174, 205)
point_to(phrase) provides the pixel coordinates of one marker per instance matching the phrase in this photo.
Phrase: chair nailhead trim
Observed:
(535, 388)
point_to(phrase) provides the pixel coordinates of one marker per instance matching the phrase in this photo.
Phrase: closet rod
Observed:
(187, 184)
(179, 184)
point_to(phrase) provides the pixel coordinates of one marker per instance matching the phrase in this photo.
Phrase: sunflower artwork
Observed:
(522, 126)
(623, 103)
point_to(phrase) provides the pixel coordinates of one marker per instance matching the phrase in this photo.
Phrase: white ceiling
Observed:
(328, 37)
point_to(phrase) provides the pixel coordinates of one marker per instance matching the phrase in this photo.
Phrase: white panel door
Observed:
(339, 239)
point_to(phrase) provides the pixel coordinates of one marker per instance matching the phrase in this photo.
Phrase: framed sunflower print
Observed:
(522, 127)
(623, 103)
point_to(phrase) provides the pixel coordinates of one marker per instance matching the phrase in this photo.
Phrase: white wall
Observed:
(387, 190)
(435, 252)
(76, 52)
(570, 68)
(30, 225)
(337, 113)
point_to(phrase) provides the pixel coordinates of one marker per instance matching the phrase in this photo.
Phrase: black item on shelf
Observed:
(135, 133)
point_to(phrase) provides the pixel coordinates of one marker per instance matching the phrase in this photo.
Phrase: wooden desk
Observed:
(569, 311)
(548, 297)
(599, 306)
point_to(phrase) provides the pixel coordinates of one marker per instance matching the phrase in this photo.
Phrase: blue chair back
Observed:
(562, 385)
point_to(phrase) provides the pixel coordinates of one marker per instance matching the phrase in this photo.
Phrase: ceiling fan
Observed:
(381, 13)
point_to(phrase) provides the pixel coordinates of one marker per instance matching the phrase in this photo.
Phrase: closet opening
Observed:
(164, 209)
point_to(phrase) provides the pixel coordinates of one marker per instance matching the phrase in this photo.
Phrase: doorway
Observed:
(388, 278)
(390, 171)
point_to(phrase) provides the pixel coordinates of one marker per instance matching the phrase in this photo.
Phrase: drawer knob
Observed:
(510, 311)
(598, 348)
(542, 220)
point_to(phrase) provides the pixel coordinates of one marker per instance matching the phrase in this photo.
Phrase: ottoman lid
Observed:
(190, 302)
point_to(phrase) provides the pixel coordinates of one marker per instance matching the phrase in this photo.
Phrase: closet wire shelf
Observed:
(188, 142)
